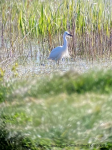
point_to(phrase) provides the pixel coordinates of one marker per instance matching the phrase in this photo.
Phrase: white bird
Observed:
(61, 51)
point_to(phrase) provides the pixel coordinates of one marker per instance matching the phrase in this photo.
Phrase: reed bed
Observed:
(44, 22)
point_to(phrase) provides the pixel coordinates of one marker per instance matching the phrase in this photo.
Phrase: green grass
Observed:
(99, 82)
(66, 109)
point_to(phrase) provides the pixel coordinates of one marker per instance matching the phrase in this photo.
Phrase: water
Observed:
(36, 68)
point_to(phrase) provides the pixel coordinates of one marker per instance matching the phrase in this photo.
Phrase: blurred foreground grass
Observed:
(60, 110)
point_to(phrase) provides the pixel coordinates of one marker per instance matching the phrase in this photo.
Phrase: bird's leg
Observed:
(63, 60)
(58, 62)
(54, 65)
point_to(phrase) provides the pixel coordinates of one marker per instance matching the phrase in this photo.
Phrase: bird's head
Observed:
(66, 33)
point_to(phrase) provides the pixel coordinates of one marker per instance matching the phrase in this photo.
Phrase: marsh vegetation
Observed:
(27, 24)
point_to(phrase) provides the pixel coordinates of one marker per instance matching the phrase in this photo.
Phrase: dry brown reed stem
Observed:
(93, 45)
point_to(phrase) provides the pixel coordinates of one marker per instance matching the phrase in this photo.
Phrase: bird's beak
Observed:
(70, 35)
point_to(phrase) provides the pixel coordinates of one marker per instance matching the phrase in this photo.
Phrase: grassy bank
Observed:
(66, 109)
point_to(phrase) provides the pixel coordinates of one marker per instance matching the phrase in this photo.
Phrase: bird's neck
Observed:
(65, 42)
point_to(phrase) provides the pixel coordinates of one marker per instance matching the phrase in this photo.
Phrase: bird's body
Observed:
(61, 51)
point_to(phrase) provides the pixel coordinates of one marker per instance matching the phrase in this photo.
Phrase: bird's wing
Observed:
(56, 52)
(57, 49)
